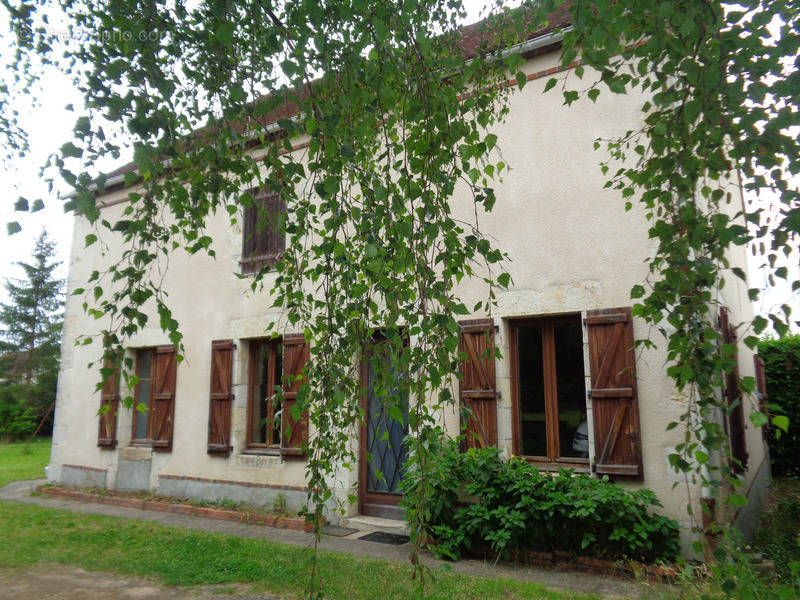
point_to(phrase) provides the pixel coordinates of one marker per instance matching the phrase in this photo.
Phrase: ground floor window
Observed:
(154, 397)
(143, 396)
(549, 389)
(264, 405)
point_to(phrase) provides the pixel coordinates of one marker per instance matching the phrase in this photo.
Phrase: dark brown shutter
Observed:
(109, 396)
(615, 405)
(163, 408)
(294, 433)
(275, 238)
(220, 397)
(263, 237)
(761, 388)
(733, 395)
(478, 389)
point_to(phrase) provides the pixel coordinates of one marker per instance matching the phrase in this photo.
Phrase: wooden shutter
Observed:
(109, 396)
(275, 237)
(478, 391)
(263, 238)
(163, 407)
(294, 433)
(615, 405)
(761, 388)
(220, 397)
(733, 395)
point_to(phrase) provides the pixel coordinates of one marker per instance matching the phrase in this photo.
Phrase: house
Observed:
(570, 390)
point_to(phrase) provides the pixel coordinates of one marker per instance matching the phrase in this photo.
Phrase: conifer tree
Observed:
(30, 339)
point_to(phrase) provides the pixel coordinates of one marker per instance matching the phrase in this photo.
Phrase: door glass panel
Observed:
(572, 426)
(533, 424)
(385, 435)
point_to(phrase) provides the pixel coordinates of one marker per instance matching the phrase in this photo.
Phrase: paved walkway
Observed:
(19, 491)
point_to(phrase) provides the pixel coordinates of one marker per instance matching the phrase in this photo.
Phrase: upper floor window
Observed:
(262, 232)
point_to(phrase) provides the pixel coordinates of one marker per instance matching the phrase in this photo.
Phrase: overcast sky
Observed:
(50, 125)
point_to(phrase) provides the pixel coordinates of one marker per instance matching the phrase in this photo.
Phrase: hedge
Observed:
(782, 368)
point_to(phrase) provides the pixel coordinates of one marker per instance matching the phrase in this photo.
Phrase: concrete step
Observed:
(766, 568)
(363, 523)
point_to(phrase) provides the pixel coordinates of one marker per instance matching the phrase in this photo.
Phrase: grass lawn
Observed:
(20, 461)
(176, 556)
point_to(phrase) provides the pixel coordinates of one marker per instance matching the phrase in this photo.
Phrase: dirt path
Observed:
(59, 582)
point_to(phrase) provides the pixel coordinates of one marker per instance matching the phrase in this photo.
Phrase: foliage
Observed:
(782, 369)
(23, 461)
(479, 500)
(17, 417)
(778, 532)
(181, 557)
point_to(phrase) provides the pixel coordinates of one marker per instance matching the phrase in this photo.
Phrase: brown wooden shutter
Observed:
(478, 391)
(294, 433)
(615, 405)
(761, 388)
(263, 238)
(220, 397)
(276, 240)
(163, 407)
(733, 395)
(109, 396)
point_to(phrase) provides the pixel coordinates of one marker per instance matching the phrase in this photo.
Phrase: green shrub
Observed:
(782, 368)
(476, 499)
(17, 416)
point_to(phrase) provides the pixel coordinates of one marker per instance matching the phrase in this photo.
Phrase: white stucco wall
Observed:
(571, 246)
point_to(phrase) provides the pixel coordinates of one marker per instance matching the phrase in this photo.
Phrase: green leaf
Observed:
(781, 422)
(460, 309)
(224, 34)
(758, 418)
(759, 324)
(70, 150)
(737, 500)
(551, 83)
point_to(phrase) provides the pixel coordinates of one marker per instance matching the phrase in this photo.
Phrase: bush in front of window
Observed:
(477, 500)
